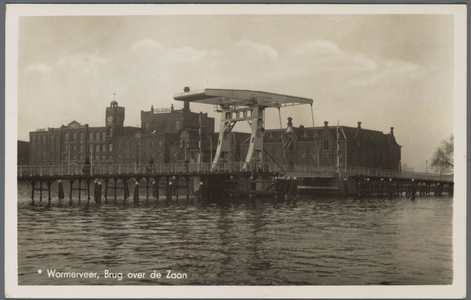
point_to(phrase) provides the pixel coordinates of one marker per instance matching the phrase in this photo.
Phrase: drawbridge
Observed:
(241, 105)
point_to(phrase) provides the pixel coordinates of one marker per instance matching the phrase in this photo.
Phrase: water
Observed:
(314, 242)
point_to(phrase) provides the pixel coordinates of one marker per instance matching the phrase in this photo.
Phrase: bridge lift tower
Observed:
(241, 105)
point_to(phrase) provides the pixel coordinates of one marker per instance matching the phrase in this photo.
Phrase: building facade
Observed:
(309, 148)
(179, 136)
(114, 143)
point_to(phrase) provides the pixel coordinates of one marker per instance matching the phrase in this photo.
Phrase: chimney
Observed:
(152, 109)
(326, 124)
(359, 125)
(171, 108)
(392, 130)
(186, 104)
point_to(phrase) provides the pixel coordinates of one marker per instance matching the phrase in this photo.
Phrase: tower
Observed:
(114, 120)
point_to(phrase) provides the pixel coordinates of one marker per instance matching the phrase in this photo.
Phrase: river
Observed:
(312, 242)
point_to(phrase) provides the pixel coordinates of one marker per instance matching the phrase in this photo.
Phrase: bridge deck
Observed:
(305, 171)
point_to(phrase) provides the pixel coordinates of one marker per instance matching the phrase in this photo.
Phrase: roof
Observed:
(350, 133)
(241, 97)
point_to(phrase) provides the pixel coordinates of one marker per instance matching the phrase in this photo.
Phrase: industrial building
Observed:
(168, 135)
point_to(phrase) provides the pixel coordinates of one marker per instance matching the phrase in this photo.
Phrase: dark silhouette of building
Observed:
(313, 147)
(179, 136)
(23, 153)
(115, 143)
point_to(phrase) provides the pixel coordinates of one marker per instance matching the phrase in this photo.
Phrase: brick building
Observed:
(357, 147)
(23, 153)
(173, 136)
(115, 143)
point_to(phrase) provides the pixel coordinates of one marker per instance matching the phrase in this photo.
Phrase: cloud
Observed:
(256, 48)
(147, 44)
(389, 70)
(86, 64)
(40, 68)
(316, 47)
(326, 55)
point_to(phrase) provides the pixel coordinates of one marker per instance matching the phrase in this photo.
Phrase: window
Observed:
(90, 136)
(81, 136)
(326, 144)
(177, 124)
(97, 136)
(160, 143)
(74, 136)
(103, 135)
(152, 145)
(103, 148)
(81, 148)
(145, 145)
(110, 147)
(97, 148)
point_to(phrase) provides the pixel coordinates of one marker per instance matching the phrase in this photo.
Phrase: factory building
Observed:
(168, 135)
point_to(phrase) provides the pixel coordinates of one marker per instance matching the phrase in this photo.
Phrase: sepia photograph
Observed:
(235, 151)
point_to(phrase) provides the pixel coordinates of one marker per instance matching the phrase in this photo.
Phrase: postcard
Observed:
(235, 151)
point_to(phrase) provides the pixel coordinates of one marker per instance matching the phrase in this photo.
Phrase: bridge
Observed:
(27, 172)
(217, 181)
(252, 176)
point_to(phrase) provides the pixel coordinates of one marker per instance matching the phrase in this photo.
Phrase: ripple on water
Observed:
(316, 242)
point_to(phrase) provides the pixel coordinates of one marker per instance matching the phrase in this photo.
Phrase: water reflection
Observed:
(311, 242)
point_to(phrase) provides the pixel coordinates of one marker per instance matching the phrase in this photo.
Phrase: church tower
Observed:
(114, 120)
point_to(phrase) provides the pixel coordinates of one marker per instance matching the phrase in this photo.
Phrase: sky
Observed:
(383, 70)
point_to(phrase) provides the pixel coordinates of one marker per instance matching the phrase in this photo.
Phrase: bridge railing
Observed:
(69, 170)
(397, 174)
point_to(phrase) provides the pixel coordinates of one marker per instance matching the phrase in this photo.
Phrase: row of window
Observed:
(145, 155)
(130, 145)
(157, 125)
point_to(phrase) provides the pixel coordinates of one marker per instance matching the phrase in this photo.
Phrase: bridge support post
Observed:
(147, 189)
(40, 192)
(177, 186)
(345, 187)
(106, 189)
(71, 186)
(33, 183)
(413, 190)
(115, 189)
(187, 179)
(49, 184)
(136, 193)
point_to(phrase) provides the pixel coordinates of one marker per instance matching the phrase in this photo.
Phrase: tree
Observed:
(442, 159)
